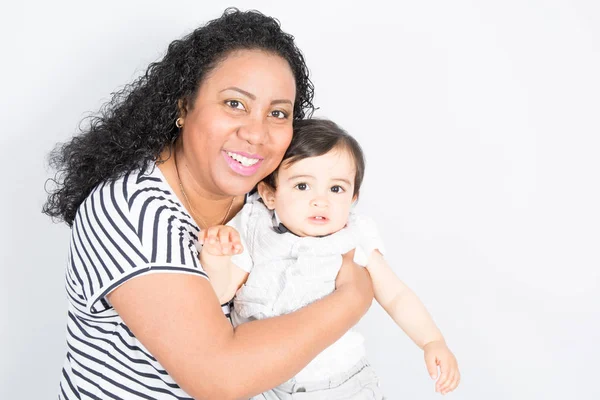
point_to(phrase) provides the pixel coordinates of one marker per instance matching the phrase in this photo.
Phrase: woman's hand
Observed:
(354, 279)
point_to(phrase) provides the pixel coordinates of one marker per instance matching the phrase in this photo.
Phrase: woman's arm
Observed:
(401, 303)
(178, 318)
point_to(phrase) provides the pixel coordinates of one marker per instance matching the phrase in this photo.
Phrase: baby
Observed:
(284, 250)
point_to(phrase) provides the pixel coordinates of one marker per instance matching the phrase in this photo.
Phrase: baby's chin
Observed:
(317, 231)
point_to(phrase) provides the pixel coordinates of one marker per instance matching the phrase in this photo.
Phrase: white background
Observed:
(480, 121)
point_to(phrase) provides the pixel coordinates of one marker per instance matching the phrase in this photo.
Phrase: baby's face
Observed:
(314, 195)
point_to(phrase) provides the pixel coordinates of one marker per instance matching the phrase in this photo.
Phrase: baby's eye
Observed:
(301, 186)
(235, 104)
(337, 189)
(279, 114)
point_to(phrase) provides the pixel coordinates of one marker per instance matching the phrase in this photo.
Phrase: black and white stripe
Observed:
(125, 228)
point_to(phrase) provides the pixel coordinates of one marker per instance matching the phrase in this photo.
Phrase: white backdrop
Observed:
(480, 121)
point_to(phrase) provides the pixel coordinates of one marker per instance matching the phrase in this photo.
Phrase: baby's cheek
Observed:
(341, 220)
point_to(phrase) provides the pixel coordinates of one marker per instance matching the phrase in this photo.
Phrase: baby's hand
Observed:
(437, 353)
(221, 240)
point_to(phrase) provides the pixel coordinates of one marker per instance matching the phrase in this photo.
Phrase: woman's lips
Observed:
(244, 154)
(242, 163)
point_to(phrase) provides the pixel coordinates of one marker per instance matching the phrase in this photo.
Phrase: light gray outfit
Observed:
(358, 383)
(288, 272)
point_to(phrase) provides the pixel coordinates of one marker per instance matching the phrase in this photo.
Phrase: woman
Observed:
(173, 153)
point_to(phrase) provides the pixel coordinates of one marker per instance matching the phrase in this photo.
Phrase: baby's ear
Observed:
(267, 194)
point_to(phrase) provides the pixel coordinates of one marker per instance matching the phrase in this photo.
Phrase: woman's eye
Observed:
(279, 114)
(235, 104)
(301, 186)
(337, 189)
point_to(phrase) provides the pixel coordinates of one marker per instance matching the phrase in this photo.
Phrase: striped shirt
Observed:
(125, 228)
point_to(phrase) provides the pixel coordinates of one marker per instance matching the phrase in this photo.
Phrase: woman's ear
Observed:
(182, 108)
(267, 194)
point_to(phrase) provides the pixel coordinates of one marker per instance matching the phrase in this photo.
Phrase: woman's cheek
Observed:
(285, 138)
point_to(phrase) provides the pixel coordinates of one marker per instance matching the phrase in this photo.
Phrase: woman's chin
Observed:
(238, 187)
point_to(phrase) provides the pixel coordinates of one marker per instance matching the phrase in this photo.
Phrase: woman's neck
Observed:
(206, 207)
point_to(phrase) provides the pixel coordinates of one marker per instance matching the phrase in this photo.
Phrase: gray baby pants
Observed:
(358, 383)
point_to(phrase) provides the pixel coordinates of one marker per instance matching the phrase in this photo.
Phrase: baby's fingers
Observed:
(225, 241)
(212, 235)
(450, 376)
(452, 384)
(236, 242)
(444, 377)
(431, 365)
(201, 236)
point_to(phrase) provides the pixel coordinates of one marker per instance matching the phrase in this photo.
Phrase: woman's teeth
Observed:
(245, 161)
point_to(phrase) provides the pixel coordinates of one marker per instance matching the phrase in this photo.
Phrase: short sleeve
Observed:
(241, 222)
(125, 230)
(368, 238)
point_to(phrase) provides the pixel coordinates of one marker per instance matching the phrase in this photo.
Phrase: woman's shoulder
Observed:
(139, 199)
(128, 227)
(130, 184)
(139, 185)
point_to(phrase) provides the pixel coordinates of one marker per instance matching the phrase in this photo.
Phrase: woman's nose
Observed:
(254, 131)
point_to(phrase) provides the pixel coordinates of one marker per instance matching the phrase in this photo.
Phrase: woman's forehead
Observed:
(255, 72)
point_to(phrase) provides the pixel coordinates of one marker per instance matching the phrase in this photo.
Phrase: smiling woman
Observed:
(241, 115)
(173, 153)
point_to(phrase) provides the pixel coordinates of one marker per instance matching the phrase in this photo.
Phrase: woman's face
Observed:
(240, 124)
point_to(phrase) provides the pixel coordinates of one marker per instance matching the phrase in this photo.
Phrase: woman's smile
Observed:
(246, 166)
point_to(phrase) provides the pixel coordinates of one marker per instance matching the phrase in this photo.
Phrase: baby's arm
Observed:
(219, 243)
(405, 308)
(401, 303)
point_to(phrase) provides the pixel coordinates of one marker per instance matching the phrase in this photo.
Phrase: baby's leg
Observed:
(359, 383)
(274, 394)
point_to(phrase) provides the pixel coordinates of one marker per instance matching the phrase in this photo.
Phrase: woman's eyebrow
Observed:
(253, 97)
(281, 101)
(242, 91)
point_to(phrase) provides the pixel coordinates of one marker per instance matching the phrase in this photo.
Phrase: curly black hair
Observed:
(131, 130)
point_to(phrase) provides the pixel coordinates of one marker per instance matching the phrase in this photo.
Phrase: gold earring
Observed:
(179, 122)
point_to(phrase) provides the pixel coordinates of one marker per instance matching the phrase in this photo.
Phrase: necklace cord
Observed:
(194, 213)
